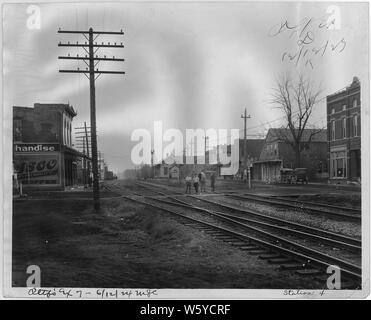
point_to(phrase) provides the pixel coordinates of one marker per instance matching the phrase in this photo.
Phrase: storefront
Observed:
(45, 165)
(267, 170)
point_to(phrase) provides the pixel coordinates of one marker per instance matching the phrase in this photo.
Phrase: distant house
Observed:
(344, 134)
(277, 154)
(161, 170)
(174, 172)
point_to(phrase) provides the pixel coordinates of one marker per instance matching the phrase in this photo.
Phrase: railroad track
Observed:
(276, 223)
(328, 210)
(275, 249)
(348, 214)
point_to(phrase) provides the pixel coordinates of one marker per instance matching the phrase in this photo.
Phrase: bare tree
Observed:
(296, 100)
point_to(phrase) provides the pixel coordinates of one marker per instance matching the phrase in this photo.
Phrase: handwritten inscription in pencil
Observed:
(312, 39)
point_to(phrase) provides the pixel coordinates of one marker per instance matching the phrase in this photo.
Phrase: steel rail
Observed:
(308, 256)
(353, 217)
(353, 242)
(323, 237)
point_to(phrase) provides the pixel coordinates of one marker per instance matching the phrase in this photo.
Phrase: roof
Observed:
(61, 106)
(274, 134)
(354, 85)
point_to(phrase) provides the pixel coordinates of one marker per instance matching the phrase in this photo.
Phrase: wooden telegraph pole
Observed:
(92, 74)
(245, 117)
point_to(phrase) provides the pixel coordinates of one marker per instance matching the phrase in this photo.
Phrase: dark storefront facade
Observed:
(43, 157)
(344, 134)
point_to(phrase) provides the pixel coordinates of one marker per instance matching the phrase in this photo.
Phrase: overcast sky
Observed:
(190, 65)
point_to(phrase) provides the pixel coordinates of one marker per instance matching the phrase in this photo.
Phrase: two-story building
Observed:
(277, 154)
(43, 155)
(344, 134)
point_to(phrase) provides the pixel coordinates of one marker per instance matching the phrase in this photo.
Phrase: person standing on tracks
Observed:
(212, 181)
(203, 181)
(188, 181)
(245, 176)
(196, 181)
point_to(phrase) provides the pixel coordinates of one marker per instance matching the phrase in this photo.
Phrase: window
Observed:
(333, 130)
(354, 103)
(344, 107)
(64, 131)
(344, 128)
(355, 126)
(338, 163)
(17, 134)
(69, 134)
(332, 110)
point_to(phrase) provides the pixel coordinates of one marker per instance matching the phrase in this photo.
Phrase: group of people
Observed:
(199, 182)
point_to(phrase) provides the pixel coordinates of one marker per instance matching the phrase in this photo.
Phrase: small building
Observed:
(277, 154)
(43, 156)
(174, 172)
(344, 134)
(161, 170)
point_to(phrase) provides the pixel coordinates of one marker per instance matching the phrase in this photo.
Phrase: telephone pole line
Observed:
(206, 151)
(245, 117)
(92, 74)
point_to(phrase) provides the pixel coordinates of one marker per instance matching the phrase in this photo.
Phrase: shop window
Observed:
(338, 163)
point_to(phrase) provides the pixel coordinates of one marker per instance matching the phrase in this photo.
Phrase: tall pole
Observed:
(152, 167)
(84, 176)
(93, 123)
(206, 138)
(87, 151)
(245, 117)
(91, 73)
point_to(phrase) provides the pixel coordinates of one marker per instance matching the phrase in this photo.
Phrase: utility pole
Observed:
(87, 151)
(206, 153)
(152, 167)
(245, 117)
(92, 74)
(85, 140)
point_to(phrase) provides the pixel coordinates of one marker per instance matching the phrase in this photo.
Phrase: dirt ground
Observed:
(128, 245)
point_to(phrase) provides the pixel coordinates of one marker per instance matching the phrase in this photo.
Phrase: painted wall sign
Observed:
(38, 169)
(36, 147)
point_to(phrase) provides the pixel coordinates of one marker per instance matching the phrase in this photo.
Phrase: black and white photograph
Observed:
(186, 150)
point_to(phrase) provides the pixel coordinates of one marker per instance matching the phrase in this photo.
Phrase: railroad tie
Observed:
(238, 243)
(257, 252)
(292, 266)
(247, 248)
(269, 256)
(308, 272)
(280, 260)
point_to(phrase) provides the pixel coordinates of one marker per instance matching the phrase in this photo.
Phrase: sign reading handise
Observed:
(36, 147)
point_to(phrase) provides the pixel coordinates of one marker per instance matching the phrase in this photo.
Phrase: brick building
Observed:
(43, 156)
(277, 154)
(344, 134)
